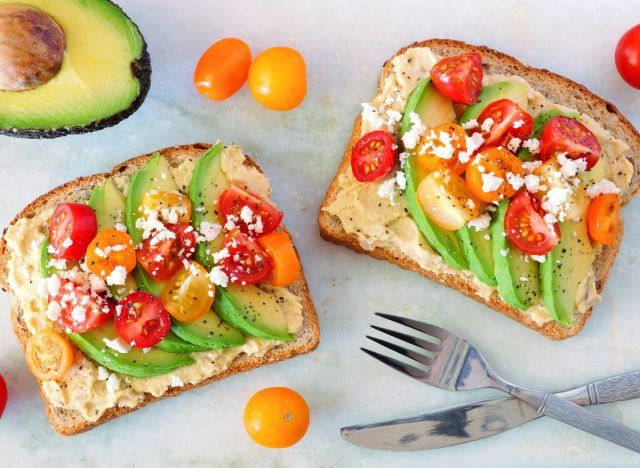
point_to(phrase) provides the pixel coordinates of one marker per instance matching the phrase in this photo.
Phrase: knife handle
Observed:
(618, 388)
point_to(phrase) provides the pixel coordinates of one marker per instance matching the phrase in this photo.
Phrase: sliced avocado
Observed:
(174, 344)
(104, 75)
(479, 252)
(514, 90)
(208, 332)
(538, 125)
(136, 362)
(596, 174)
(565, 267)
(516, 274)
(45, 258)
(253, 311)
(207, 184)
(442, 241)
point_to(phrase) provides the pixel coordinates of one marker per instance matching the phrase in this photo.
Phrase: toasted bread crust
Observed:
(70, 422)
(578, 97)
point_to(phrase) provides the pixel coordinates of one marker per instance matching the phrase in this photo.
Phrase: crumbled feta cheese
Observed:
(121, 227)
(117, 344)
(571, 167)
(532, 182)
(504, 252)
(393, 118)
(531, 166)
(246, 214)
(410, 139)
(524, 278)
(96, 283)
(533, 145)
(371, 115)
(220, 255)
(470, 203)
(487, 237)
(490, 182)
(218, 277)
(514, 144)
(118, 276)
(113, 383)
(474, 142)
(487, 124)
(103, 374)
(555, 198)
(470, 124)
(53, 285)
(515, 180)
(602, 187)
(209, 231)
(387, 190)
(53, 311)
(79, 314)
(539, 258)
(518, 123)
(401, 180)
(67, 243)
(230, 225)
(481, 222)
(176, 381)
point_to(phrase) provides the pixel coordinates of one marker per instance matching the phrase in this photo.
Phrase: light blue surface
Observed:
(345, 45)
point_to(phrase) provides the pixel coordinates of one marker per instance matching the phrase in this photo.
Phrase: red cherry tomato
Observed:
(73, 226)
(459, 77)
(253, 216)
(509, 121)
(525, 227)
(3, 395)
(78, 308)
(373, 156)
(628, 56)
(162, 257)
(141, 320)
(566, 135)
(246, 262)
(223, 69)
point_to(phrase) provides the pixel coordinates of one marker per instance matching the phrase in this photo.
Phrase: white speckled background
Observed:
(344, 44)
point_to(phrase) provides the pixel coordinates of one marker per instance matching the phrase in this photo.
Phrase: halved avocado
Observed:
(103, 77)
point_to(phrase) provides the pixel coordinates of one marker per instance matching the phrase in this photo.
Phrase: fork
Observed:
(455, 364)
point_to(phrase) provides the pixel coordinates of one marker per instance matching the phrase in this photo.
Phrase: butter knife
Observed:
(474, 421)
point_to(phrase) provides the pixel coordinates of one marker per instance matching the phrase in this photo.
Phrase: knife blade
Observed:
(478, 420)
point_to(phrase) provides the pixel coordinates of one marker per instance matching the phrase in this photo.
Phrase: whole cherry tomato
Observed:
(222, 69)
(628, 56)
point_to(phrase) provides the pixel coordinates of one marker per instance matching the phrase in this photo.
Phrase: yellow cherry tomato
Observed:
(109, 249)
(222, 69)
(278, 78)
(172, 207)
(189, 294)
(49, 355)
(276, 417)
(441, 147)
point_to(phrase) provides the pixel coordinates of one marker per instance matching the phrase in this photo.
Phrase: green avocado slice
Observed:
(174, 344)
(479, 252)
(516, 274)
(515, 90)
(136, 362)
(435, 109)
(208, 332)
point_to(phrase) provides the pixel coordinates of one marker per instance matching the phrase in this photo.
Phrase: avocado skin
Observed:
(141, 70)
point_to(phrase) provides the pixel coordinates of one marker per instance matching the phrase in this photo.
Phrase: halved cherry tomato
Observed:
(276, 417)
(526, 228)
(487, 168)
(72, 227)
(459, 77)
(3, 395)
(441, 147)
(49, 355)
(141, 320)
(278, 78)
(109, 249)
(190, 293)
(576, 200)
(222, 69)
(566, 135)
(246, 262)
(161, 255)
(446, 200)
(77, 308)
(286, 266)
(251, 215)
(373, 156)
(509, 121)
(172, 207)
(628, 56)
(603, 218)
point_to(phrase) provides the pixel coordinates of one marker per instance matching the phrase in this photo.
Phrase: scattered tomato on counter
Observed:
(223, 69)
(49, 355)
(278, 78)
(3, 395)
(628, 56)
(276, 417)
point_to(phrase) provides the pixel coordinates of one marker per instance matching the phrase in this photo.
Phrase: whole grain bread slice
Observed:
(69, 422)
(557, 89)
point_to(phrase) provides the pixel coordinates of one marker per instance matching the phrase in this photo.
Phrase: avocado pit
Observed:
(32, 47)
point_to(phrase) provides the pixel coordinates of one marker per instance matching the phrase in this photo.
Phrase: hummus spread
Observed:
(85, 387)
(380, 219)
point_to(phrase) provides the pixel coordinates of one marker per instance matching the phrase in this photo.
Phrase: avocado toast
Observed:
(385, 220)
(106, 379)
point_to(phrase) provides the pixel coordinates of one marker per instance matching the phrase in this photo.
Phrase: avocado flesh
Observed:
(538, 125)
(45, 258)
(479, 252)
(172, 343)
(565, 267)
(104, 76)
(253, 311)
(433, 109)
(207, 184)
(208, 332)
(514, 90)
(136, 362)
(516, 274)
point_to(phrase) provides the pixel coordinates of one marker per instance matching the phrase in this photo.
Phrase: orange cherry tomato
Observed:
(222, 69)
(278, 78)
(286, 266)
(172, 207)
(109, 249)
(603, 218)
(49, 355)
(485, 170)
(190, 293)
(440, 148)
(276, 417)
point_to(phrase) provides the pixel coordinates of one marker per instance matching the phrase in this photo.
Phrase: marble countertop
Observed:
(345, 45)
